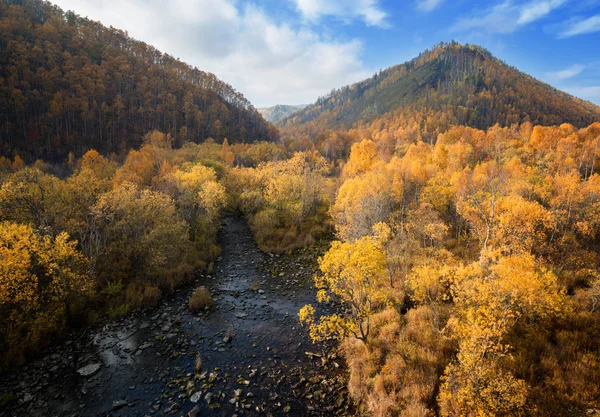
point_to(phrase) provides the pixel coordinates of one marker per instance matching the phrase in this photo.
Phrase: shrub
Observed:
(151, 296)
(119, 311)
(6, 399)
(142, 294)
(200, 300)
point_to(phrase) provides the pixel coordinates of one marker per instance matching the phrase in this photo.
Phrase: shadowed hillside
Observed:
(68, 83)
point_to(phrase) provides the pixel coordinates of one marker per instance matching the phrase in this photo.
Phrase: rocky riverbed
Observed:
(255, 357)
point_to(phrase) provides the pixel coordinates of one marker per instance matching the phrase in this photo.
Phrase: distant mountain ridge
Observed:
(449, 85)
(275, 113)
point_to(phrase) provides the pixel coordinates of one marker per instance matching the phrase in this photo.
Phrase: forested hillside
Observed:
(449, 85)
(69, 84)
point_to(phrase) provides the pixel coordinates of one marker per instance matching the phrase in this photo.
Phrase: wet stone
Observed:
(194, 412)
(119, 404)
(196, 397)
(89, 370)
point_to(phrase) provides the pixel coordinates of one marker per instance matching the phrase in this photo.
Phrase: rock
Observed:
(196, 397)
(194, 412)
(241, 315)
(119, 404)
(227, 338)
(261, 291)
(89, 370)
(174, 407)
(208, 398)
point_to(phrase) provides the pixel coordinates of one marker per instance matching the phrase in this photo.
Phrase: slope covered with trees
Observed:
(469, 269)
(449, 85)
(68, 83)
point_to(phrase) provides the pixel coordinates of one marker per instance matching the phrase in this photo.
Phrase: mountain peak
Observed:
(279, 111)
(448, 84)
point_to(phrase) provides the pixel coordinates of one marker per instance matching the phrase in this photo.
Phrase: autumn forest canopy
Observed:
(457, 201)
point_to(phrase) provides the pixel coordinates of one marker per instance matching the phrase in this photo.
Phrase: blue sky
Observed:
(293, 51)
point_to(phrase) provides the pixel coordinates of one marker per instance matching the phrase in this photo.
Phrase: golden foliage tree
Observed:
(144, 235)
(356, 274)
(39, 275)
(491, 298)
(362, 156)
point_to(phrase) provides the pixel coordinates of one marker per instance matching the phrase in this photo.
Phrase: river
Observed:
(256, 358)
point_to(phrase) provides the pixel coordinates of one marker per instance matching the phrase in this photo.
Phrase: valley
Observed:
(421, 242)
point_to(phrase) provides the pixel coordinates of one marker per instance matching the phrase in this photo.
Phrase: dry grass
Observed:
(200, 300)
(397, 373)
(560, 362)
(275, 237)
(151, 296)
(141, 294)
(198, 364)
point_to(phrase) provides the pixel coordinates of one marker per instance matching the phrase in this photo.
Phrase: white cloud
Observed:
(269, 62)
(591, 93)
(566, 73)
(508, 17)
(580, 27)
(428, 5)
(368, 10)
(535, 10)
